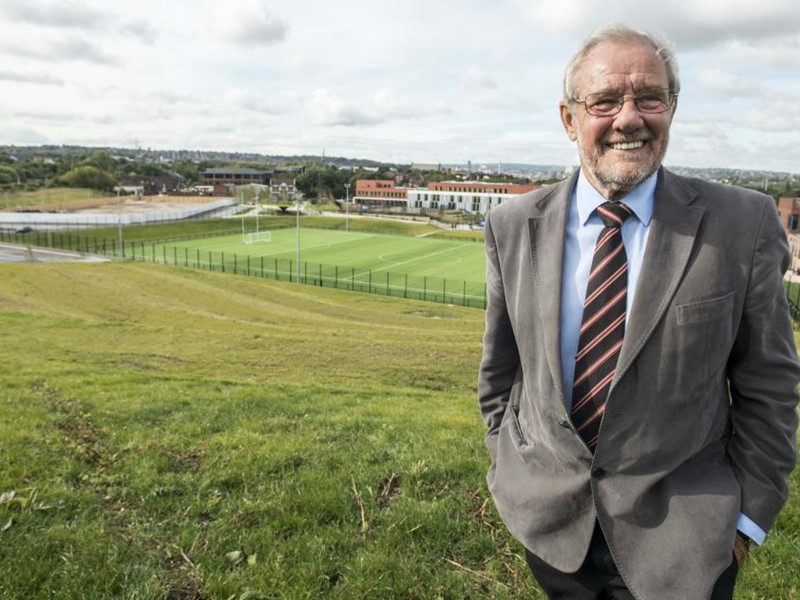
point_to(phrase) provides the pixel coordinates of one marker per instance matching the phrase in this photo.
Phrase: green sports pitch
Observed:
(417, 267)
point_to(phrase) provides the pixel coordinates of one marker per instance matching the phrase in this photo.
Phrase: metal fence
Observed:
(793, 296)
(372, 281)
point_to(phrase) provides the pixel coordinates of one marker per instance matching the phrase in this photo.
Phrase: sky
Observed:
(417, 81)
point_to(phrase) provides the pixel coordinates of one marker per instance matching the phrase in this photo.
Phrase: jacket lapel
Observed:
(673, 232)
(547, 227)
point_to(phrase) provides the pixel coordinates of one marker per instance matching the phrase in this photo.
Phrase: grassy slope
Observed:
(185, 434)
(165, 418)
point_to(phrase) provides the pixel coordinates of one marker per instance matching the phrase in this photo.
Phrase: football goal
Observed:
(255, 237)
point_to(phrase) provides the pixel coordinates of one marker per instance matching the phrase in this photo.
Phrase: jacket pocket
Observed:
(706, 310)
(698, 345)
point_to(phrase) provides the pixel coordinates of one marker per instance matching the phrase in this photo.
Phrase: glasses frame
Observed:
(672, 96)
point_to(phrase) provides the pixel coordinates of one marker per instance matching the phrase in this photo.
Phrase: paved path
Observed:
(16, 253)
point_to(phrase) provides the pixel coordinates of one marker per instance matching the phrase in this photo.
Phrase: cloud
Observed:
(765, 119)
(259, 103)
(327, 108)
(36, 78)
(384, 105)
(67, 13)
(75, 15)
(60, 50)
(727, 84)
(22, 136)
(141, 29)
(688, 23)
(247, 22)
(474, 77)
(78, 49)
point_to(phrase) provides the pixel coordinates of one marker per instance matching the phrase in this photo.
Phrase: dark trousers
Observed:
(599, 579)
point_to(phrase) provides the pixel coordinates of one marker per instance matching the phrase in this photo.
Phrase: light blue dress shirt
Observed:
(583, 228)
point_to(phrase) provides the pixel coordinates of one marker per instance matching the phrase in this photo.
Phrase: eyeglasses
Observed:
(608, 104)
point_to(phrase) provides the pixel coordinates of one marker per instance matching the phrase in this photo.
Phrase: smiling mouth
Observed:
(626, 145)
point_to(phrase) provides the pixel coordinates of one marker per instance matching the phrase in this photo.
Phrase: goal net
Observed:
(257, 236)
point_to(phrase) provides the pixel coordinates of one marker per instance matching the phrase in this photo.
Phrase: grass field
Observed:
(362, 251)
(176, 433)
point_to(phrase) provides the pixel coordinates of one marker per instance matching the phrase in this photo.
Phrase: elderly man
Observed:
(639, 372)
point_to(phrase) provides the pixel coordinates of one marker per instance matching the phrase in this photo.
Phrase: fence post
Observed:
(405, 291)
(369, 284)
(336, 277)
(464, 302)
(222, 255)
(425, 288)
(352, 278)
(290, 269)
(387, 283)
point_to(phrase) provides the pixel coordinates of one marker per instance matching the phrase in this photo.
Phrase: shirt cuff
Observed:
(750, 529)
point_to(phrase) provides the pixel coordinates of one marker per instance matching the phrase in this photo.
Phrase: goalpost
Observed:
(255, 237)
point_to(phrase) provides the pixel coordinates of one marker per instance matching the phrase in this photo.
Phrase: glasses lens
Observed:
(602, 104)
(653, 101)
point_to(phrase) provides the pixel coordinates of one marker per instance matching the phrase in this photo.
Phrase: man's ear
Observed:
(568, 120)
(674, 108)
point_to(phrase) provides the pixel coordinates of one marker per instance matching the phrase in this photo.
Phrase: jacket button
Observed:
(598, 473)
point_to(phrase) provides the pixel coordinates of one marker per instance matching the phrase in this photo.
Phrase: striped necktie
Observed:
(603, 324)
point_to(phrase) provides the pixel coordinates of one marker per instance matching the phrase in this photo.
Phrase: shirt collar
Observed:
(640, 199)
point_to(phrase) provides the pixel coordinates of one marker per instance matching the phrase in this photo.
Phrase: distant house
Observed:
(229, 177)
(789, 212)
(282, 187)
(475, 197)
(789, 215)
(380, 193)
(152, 185)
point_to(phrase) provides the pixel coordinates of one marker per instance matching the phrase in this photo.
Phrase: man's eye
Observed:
(650, 100)
(604, 103)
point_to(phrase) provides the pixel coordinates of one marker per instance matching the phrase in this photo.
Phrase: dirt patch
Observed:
(129, 206)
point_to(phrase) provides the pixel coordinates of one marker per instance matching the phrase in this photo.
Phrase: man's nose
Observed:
(629, 116)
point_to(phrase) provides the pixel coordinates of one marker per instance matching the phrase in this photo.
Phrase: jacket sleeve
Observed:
(763, 372)
(500, 361)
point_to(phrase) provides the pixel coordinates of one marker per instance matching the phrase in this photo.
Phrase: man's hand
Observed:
(741, 546)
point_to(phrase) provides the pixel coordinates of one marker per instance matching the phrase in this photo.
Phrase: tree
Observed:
(102, 160)
(88, 177)
(189, 171)
(8, 176)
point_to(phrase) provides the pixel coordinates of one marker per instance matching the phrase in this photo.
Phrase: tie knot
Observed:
(614, 214)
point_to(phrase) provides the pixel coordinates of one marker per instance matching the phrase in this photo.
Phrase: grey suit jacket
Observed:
(701, 418)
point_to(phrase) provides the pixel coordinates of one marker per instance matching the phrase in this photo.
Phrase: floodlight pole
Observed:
(119, 222)
(346, 209)
(297, 216)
